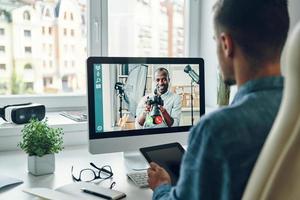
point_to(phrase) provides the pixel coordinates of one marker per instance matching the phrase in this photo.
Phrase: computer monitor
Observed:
(120, 88)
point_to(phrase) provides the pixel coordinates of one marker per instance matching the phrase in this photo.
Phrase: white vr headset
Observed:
(22, 113)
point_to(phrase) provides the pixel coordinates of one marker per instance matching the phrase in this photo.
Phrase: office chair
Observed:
(276, 174)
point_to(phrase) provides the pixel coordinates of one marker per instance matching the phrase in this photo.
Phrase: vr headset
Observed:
(22, 113)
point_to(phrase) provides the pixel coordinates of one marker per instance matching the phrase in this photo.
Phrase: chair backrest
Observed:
(276, 174)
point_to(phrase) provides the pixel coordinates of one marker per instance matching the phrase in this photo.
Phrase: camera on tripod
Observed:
(155, 102)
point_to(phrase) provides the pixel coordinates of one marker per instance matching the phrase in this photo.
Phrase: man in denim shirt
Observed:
(224, 146)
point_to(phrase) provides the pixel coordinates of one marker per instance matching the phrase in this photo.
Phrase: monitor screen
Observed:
(140, 96)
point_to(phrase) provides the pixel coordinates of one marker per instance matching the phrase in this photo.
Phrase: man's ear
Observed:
(226, 44)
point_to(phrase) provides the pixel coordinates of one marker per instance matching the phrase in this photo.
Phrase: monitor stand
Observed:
(134, 161)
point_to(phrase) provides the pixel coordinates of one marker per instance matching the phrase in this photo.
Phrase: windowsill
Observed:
(75, 133)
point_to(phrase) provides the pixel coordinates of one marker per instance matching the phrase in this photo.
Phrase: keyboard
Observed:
(139, 178)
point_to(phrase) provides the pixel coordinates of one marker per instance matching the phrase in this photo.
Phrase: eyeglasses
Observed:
(89, 174)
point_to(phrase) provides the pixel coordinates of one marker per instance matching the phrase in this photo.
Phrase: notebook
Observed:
(74, 191)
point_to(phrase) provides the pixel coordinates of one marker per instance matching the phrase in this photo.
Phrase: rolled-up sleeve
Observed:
(139, 110)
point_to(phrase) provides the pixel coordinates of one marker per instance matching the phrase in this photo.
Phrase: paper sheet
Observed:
(6, 181)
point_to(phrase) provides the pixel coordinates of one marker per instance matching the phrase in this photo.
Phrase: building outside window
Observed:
(135, 28)
(149, 27)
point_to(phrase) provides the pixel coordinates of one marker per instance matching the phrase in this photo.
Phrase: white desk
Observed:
(14, 164)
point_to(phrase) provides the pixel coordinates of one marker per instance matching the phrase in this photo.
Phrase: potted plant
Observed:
(41, 142)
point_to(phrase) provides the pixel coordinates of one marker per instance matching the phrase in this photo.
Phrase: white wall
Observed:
(294, 7)
(208, 51)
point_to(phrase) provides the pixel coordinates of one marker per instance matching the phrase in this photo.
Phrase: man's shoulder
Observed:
(218, 121)
(173, 94)
(221, 113)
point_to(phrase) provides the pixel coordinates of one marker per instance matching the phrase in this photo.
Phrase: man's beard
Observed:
(162, 89)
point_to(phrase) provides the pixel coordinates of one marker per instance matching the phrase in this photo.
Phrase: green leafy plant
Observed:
(38, 139)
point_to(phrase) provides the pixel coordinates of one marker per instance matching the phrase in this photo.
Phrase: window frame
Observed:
(97, 36)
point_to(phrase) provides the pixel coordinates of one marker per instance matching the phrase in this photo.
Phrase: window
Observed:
(3, 15)
(50, 30)
(28, 67)
(71, 16)
(3, 88)
(50, 49)
(73, 48)
(65, 15)
(2, 67)
(2, 31)
(28, 86)
(149, 27)
(65, 48)
(47, 81)
(47, 14)
(28, 50)
(72, 32)
(118, 41)
(27, 33)
(83, 19)
(26, 15)
(2, 49)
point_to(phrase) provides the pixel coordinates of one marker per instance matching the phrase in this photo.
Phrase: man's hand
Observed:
(167, 118)
(147, 107)
(157, 176)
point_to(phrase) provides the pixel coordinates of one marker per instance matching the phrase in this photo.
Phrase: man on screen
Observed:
(163, 109)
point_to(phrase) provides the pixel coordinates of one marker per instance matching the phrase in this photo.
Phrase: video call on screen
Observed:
(141, 96)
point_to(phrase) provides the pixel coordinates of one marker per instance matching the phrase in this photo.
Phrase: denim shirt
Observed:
(224, 145)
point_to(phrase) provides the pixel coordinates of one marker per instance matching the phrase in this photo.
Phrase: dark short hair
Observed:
(162, 69)
(259, 27)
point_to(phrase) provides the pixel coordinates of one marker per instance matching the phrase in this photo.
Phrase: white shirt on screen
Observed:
(172, 103)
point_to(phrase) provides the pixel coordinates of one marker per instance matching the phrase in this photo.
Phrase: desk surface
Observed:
(14, 164)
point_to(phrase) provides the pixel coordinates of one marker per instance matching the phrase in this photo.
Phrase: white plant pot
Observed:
(41, 165)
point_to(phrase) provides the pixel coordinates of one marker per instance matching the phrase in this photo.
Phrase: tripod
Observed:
(192, 102)
(120, 89)
(121, 102)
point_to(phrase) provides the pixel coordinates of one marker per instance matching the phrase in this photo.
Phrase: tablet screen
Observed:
(169, 158)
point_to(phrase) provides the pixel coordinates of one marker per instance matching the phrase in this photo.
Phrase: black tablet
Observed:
(168, 156)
